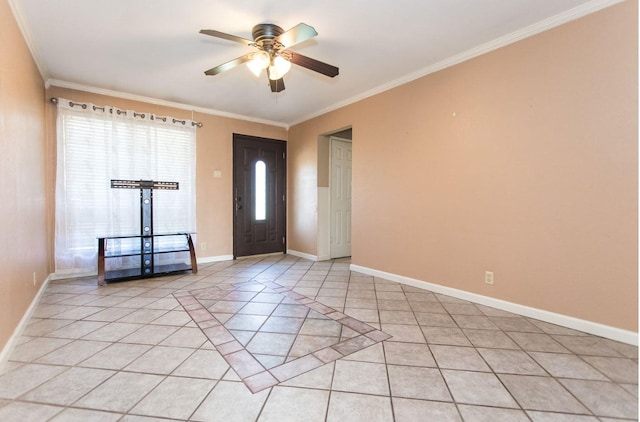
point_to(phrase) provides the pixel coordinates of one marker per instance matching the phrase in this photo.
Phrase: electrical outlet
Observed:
(488, 277)
(203, 246)
(35, 278)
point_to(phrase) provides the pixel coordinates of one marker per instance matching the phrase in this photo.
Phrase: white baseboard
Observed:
(11, 343)
(302, 255)
(61, 275)
(218, 258)
(77, 274)
(590, 327)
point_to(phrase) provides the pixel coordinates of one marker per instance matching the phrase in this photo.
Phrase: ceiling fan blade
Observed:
(228, 65)
(277, 85)
(229, 37)
(299, 33)
(313, 64)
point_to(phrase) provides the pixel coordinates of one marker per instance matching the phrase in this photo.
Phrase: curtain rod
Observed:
(54, 100)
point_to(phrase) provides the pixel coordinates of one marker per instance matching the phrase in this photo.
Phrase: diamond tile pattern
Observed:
(274, 334)
(281, 338)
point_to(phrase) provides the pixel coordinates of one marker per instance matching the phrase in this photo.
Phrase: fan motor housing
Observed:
(266, 32)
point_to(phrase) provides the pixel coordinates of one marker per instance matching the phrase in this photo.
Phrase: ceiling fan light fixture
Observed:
(278, 68)
(274, 54)
(258, 62)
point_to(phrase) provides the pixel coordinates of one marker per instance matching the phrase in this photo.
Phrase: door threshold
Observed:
(263, 255)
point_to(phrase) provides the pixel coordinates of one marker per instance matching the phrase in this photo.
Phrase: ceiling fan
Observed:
(273, 54)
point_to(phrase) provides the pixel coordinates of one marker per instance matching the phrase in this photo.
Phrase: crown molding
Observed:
(156, 101)
(28, 39)
(526, 32)
(536, 28)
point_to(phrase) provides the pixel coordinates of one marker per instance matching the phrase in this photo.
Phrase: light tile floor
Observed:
(285, 339)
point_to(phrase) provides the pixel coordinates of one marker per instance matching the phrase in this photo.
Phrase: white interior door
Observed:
(340, 201)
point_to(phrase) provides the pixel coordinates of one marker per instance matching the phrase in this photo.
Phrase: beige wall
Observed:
(23, 249)
(214, 152)
(522, 161)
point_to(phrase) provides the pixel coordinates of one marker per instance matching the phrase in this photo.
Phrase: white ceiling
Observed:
(152, 48)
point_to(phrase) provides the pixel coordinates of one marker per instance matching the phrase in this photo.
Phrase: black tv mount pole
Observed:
(146, 214)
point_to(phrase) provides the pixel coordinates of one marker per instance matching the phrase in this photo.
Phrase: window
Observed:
(97, 144)
(261, 190)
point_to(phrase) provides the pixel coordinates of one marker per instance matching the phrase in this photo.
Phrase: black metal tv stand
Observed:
(145, 255)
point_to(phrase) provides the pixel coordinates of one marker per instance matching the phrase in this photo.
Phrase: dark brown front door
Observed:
(259, 183)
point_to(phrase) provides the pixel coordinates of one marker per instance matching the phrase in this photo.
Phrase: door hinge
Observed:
(283, 198)
(283, 240)
(283, 155)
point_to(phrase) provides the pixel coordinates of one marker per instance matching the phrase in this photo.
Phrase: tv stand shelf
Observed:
(122, 258)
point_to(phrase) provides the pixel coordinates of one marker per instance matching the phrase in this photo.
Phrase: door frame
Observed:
(233, 193)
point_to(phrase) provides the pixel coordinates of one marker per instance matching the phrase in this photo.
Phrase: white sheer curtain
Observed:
(100, 143)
